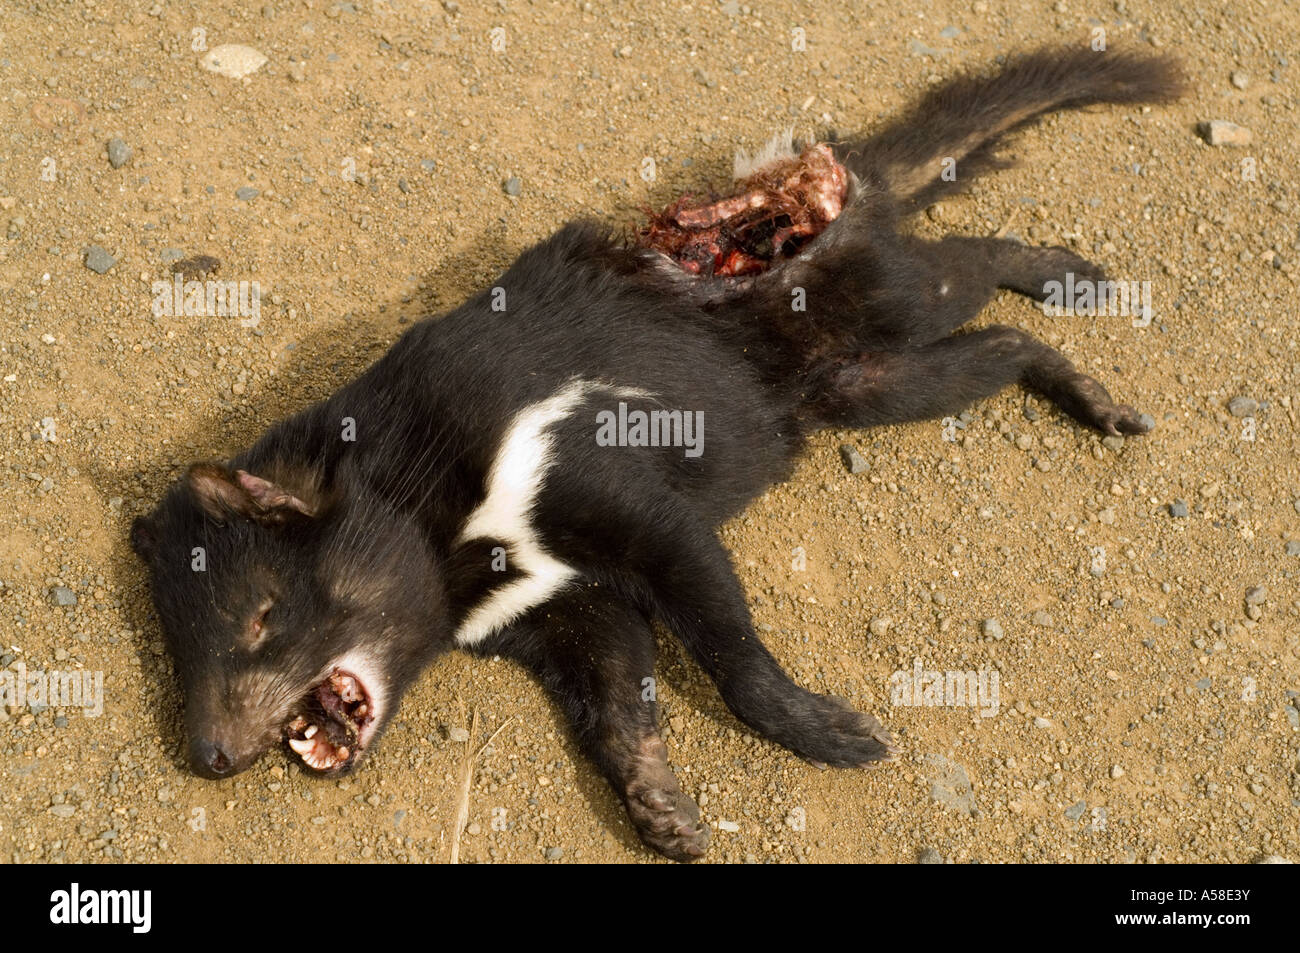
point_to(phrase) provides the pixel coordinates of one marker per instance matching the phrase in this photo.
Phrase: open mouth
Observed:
(329, 733)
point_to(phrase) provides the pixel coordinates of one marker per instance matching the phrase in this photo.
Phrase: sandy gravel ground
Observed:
(1146, 614)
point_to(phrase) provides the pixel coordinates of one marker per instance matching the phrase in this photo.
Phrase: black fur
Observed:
(353, 544)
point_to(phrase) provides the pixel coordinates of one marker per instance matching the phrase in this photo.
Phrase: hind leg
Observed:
(884, 387)
(961, 274)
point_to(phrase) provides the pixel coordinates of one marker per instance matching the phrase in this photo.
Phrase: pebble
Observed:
(730, 827)
(854, 462)
(1293, 547)
(879, 626)
(992, 629)
(1041, 618)
(1113, 442)
(234, 60)
(1116, 772)
(1256, 595)
(458, 734)
(1220, 132)
(98, 260)
(1243, 406)
(1075, 811)
(929, 856)
(950, 784)
(63, 596)
(1239, 78)
(119, 153)
(246, 193)
(63, 810)
(1146, 420)
(429, 165)
(554, 853)
(1178, 509)
(513, 185)
(1041, 722)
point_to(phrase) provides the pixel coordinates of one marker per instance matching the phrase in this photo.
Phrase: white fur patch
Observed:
(514, 480)
(780, 146)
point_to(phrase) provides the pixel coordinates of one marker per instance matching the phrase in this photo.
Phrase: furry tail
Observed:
(967, 118)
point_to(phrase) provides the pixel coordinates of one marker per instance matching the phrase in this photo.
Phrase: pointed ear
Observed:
(223, 494)
(214, 489)
(269, 496)
(144, 538)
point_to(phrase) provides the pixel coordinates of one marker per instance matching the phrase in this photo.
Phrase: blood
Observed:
(774, 212)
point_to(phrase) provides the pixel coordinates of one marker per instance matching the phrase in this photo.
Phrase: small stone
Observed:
(1220, 132)
(1147, 421)
(1274, 859)
(233, 60)
(879, 626)
(1116, 772)
(246, 193)
(1293, 547)
(119, 153)
(1239, 78)
(458, 734)
(992, 629)
(730, 827)
(854, 462)
(929, 856)
(1113, 442)
(1243, 406)
(63, 810)
(1076, 810)
(513, 186)
(554, 853)
(98, 260)
(1041, 722)
(1042, 618)
(1178, 509)
(950, 784)
(63, 596)
(474, 829)
(429, 165)
(1256, 595)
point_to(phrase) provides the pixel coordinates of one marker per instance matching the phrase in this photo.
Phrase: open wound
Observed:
(774, 212)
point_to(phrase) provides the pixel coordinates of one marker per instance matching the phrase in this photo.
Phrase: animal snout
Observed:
(211, 759)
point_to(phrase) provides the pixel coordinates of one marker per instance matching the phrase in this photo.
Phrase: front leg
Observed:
(594, 652)
(703, 603)
(672, 560)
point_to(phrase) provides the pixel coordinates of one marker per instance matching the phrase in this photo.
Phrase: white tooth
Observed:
(302, 746)
(309, 731)
(362, 709)
(342, 753)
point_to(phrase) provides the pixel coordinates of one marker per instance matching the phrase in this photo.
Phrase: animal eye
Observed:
(257, 625)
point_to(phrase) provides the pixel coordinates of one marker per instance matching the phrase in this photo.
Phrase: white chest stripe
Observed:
(515, 479)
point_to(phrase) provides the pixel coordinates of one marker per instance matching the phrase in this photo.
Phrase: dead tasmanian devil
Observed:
(539, 474)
